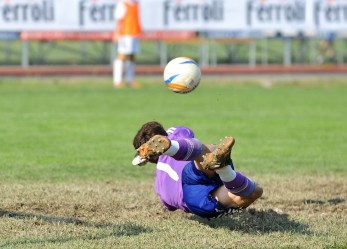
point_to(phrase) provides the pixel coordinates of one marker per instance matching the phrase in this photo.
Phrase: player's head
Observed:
(147, 131)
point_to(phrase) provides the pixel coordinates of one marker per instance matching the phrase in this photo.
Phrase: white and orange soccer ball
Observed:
(182, 75)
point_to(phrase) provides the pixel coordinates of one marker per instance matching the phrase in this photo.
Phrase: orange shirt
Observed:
(130, 24)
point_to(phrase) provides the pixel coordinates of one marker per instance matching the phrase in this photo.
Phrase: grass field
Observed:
(67, 181)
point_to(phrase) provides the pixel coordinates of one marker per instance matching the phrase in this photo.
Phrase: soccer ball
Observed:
(182, 75)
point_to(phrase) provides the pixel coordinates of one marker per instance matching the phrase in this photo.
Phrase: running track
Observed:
(157, 70)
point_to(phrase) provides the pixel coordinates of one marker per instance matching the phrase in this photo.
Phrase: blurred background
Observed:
(271, 35)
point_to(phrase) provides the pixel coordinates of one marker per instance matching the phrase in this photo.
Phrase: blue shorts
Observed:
(197, 188)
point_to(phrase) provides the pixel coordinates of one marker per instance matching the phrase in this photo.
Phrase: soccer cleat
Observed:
(220, 156)
(135, 85)
(157, 145)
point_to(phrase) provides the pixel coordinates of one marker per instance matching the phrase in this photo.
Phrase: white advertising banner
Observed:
(185, 15)
(194, 15)
(57, 15)
(329, 15)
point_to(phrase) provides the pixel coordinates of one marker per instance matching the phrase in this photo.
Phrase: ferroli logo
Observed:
(181, 11)
(260, 11)
(330, 12)
(96, 11)
(30, 11)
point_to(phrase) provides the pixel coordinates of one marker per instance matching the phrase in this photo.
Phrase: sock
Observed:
(226, 174)
(130, 69)
(186, 149)
(117, 71)
(235, 182)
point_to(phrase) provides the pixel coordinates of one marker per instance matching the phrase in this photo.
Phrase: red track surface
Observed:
(157, 70)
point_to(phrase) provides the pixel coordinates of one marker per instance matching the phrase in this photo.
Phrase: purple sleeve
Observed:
(179, 132)
(189, 147)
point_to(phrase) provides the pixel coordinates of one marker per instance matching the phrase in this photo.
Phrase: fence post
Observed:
(25, 54)
(113, 52)
(163, 53)
(265, 55)
(313, 47)
(252, 53)
(287, 51)
(204, 51)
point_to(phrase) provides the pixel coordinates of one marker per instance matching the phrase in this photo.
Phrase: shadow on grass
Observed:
(114, 230)
(253, 221)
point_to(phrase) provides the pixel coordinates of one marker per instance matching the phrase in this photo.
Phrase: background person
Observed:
(192, 176)
(126, 34)
(326, 48)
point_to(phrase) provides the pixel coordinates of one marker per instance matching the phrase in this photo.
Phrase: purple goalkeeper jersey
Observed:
(168, 180)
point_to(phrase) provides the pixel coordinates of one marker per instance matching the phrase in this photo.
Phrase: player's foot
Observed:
(157, 145)
(220, 156)
(119, 85)
(135, 85)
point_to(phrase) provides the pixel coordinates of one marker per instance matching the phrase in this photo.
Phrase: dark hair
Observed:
(147, 131)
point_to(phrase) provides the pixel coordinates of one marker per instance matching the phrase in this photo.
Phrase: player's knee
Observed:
(121, 57)
(258, 192)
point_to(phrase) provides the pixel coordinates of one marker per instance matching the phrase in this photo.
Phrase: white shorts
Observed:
(128, 45)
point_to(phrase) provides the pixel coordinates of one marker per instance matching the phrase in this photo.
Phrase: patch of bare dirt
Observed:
(116, 201)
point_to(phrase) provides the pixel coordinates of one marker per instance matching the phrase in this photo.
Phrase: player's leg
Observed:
(130, 68)
(208, 197)
(186, 149)
(118, 64)
(189, 149)
(228, 199)
(133, 49)
(238, 189)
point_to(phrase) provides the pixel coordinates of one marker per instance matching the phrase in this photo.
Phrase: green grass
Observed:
(67, 181)
(63, 130)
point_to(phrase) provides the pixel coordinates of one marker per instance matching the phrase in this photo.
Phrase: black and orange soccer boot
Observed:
(220, 156)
